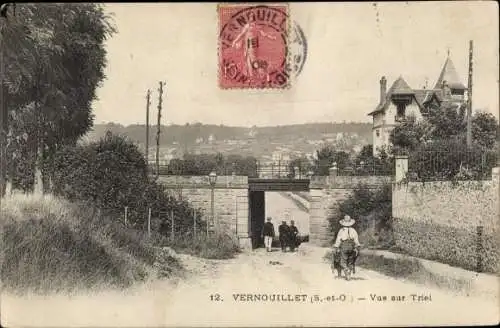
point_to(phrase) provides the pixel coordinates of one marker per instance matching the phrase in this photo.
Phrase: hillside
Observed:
(263, 143)
(188, 134)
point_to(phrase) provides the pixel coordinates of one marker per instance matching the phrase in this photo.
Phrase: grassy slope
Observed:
(52, 245)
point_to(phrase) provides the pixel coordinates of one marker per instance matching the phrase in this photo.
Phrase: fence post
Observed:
(194, 223)
(401, 167)
(149, 222)
(236, 215)
(207, 223)
(172, 235)
(126, 214)
(479, 248)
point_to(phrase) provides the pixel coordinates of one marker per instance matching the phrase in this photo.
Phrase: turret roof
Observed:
(450, 75)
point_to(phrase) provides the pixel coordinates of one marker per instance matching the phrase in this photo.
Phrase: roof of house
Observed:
(398, 87)
(450, 75)
(425, 95)
(422, 96)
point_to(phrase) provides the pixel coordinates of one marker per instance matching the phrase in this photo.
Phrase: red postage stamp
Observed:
(253, 46)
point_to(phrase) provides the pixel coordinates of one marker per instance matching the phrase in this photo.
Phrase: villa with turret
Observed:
(401, 101)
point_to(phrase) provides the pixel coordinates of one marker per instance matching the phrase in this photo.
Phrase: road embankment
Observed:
(430, 273)
(301, 202)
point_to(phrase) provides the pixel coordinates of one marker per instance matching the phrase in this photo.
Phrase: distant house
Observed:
(278, 156)
(400, 101)
(253, 132)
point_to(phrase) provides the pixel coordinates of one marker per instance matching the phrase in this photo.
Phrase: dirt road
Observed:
(224, 293)
(259, 289)
(279, 207)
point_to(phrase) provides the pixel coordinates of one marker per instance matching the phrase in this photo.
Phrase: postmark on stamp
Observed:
(259, 47)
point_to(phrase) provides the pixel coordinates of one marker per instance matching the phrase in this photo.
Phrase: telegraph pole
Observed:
(148, 103)
(160, 91)
(469, 98)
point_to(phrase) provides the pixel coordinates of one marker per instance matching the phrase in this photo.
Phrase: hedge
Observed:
(456, 246)
(371, 208)
(111, 174)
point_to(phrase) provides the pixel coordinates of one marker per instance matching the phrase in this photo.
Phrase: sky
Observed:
(350, 47)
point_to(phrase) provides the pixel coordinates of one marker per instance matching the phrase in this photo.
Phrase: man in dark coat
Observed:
(268, 234)
(294, 234)
(284, 231)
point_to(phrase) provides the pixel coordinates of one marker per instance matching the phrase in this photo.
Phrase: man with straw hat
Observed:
(346, 247)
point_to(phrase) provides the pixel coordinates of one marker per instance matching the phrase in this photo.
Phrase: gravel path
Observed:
(225, 293)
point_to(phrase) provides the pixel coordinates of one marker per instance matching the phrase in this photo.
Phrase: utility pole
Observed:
(469, 98)
(160, 91)
(148, 103)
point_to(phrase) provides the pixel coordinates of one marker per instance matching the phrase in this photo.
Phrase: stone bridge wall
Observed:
(230, 199)
(326, 195)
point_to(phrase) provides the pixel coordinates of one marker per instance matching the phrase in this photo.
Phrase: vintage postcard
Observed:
(305, 164)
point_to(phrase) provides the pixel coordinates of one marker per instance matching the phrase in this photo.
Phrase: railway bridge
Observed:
(238, 202)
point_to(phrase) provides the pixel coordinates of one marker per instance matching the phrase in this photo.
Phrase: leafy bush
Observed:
(371, 208)
(326, 156)
(51, 245)
(456, 246)
(437, 145)
(112, 174)
(302, 164)
(203, 164)
(450, 160)
(367, 164)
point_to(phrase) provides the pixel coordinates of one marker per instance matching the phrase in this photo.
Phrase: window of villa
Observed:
(401, 110)
(377, 132)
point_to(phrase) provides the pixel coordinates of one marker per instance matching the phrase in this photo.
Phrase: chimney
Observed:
(383, 89)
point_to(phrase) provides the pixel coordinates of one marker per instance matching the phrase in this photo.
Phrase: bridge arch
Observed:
(239, 200)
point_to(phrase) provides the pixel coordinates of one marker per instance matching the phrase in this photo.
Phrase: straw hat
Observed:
(347, 221)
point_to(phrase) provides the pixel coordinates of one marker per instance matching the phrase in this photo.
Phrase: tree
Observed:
(485, 129)
(55, 63)
(451, 159)
(203, 164)
(367, 164)
(111, 174)
(444, 123)
(303, 164)
(326, 156)
(437, 145)
(407, 136)
(447, 122)
(365, 154)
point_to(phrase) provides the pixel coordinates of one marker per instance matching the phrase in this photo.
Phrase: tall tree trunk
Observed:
(3, 117)
(47, 168)
(38, 151)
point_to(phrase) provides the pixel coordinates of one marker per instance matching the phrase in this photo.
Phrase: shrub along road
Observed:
(241, 291)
